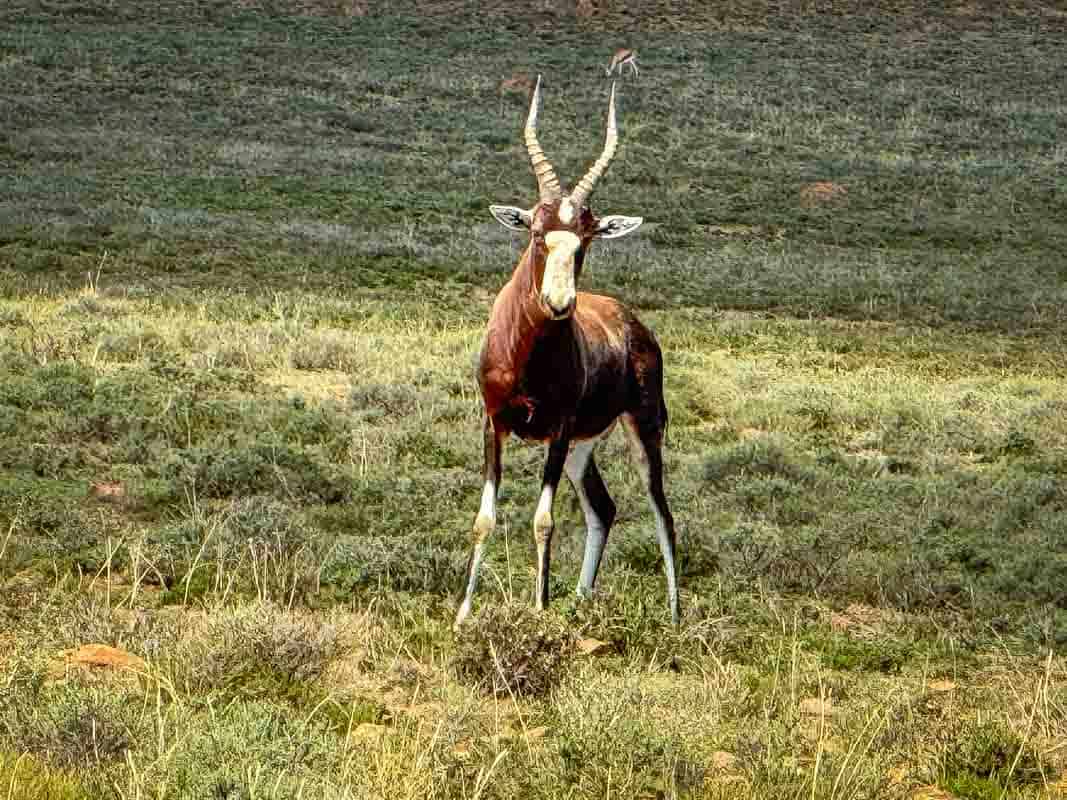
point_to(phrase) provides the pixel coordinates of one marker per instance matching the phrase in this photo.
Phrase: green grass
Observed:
(245, 264)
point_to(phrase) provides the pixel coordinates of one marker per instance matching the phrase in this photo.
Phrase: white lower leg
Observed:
(483, 527)
(486, 519)
(543, 525)
(664, 537)
(663, 530)
(472, 581)
(595, 537)
(575, 466)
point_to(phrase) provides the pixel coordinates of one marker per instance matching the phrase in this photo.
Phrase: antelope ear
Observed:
(614, 226)
(518, 219)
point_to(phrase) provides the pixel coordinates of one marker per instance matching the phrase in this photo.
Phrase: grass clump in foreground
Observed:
(513, 650)
(239, 438)
(29, 778)
(989, 760)
(254, 651)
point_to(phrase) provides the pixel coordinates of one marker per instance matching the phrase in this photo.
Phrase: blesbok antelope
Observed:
(623, 56)
(562, 367)
(521, 85)
(585, 8)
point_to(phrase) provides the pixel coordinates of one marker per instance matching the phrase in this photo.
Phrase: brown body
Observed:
(572, 379)
(542, 378)
(561, 367)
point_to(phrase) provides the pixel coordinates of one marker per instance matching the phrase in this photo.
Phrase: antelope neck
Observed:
(517, 321)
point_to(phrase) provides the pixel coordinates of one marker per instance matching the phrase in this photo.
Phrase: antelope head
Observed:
(561, 226)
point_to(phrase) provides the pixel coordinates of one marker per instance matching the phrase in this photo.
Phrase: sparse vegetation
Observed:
(513, 651)
(245, 261)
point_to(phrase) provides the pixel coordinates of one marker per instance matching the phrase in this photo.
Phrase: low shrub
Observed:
(511, 648)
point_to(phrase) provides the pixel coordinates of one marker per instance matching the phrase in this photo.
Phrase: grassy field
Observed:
(245, 262)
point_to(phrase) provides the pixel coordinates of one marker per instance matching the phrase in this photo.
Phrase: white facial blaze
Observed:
(557, 286)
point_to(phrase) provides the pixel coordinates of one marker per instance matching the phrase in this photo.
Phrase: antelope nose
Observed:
(560, 311)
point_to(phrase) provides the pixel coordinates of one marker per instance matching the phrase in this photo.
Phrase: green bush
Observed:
(260, 466)
(987, 760)
(71, 726)
(255, 650)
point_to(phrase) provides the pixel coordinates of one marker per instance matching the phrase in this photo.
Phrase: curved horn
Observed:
(585, 185)
(547, 182)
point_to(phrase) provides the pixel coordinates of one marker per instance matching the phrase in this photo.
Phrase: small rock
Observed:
(821, 192)
(98, 658)
(102, 655)
(107, 491)
(594, 647)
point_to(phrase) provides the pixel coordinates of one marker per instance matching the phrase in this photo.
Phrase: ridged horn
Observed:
(547, 182)
(585, 185)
